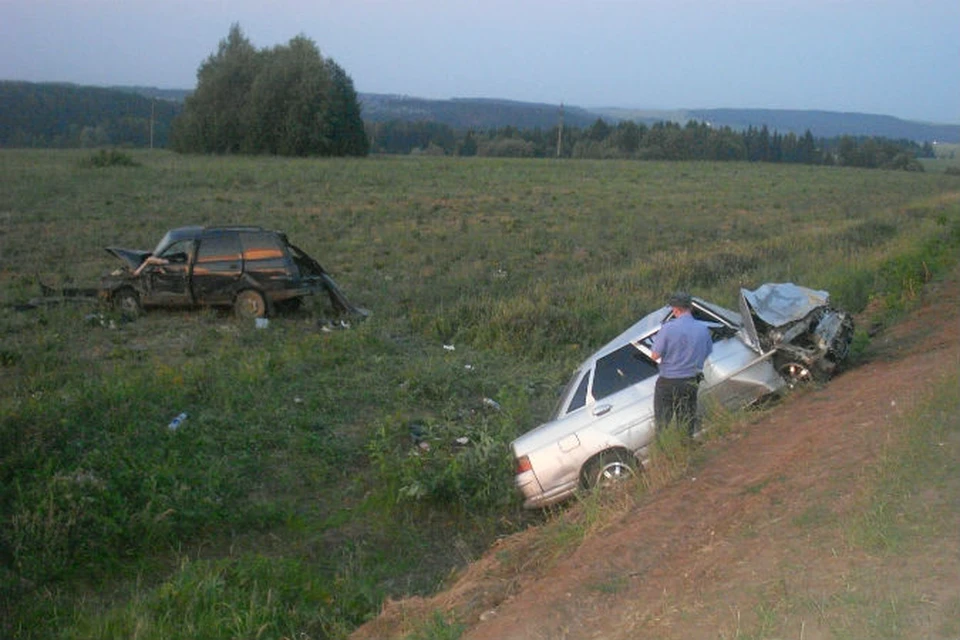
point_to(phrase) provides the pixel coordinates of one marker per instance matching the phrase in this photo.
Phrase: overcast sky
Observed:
(891, 57)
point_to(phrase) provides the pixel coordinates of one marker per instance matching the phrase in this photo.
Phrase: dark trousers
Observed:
(675, 402)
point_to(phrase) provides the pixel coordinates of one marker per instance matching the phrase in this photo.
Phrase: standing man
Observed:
(680, 349)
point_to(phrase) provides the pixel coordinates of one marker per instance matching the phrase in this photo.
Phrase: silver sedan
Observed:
(603, 425)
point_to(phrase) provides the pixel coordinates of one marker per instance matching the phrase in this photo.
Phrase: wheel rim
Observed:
(128, 303)
(613, 472)
(796, 373)
(250, 304)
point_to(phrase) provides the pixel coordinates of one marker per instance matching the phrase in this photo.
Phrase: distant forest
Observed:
(71, 116)
(68, 115)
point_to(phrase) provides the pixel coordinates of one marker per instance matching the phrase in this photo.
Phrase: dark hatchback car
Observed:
(251, 269)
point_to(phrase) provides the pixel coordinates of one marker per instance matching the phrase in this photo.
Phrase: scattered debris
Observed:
(177, 421)
(50, 296)
(493, 404)
(416, 432)
(333, 325)
(98, 319)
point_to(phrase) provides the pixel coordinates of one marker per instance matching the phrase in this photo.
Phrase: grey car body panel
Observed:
(738, 372)
(781, 304)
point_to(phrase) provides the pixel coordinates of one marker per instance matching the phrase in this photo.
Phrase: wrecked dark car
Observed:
(252, 270)
(603, 425)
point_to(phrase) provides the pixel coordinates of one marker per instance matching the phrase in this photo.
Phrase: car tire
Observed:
(127, 301)
(250, 303)
(609, 468)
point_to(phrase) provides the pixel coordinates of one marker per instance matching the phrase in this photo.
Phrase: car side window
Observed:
(580, 396)
(178, 253)
(623, 368)
(221, 247)
(261, 246)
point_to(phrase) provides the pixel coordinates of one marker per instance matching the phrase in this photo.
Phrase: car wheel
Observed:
(795, 373)
(128, 302)
(610, 468)
(250, 303)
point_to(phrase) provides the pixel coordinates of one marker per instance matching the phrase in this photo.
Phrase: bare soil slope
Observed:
(748, 543)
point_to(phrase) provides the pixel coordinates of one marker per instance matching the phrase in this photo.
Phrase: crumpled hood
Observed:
(778, 305)
(132, 258)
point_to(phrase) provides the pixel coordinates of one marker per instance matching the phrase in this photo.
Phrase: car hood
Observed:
(777, 305)
(132, 258)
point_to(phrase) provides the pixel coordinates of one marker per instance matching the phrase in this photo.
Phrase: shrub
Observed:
(111, 158)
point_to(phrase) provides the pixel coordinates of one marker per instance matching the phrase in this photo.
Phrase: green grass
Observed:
(293, 499)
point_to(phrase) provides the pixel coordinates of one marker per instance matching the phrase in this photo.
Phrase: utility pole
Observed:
(560, 132)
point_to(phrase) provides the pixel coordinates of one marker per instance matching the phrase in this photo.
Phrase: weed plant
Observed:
(319, 472)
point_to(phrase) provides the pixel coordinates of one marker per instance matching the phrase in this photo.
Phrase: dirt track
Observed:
(751, 528)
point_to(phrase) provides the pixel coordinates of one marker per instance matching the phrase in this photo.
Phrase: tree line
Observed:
(660, 141)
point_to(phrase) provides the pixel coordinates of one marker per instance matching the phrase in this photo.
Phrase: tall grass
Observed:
(339, 463)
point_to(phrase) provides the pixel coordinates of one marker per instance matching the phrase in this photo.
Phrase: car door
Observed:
(266, 263)
(621, 390)
(167, 282)
(218, 268)
(609, 404)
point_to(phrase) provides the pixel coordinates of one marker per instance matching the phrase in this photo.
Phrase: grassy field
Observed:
(293, 499)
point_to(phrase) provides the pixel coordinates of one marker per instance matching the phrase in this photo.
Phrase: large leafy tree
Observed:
(287, 100)
(214, 117)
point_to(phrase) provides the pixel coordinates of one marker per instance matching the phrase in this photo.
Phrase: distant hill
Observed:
(484, 113)
(472, 113)
(174, 95)
(822, 124)
(830, 124)
(70, 115)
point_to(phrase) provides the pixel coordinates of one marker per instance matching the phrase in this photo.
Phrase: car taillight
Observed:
(523, 465)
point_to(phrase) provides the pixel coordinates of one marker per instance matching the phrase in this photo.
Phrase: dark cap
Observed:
(681, 300)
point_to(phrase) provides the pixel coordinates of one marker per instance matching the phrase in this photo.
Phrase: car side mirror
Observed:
(177, 258)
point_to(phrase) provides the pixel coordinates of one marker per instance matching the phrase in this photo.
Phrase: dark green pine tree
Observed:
(343, 124)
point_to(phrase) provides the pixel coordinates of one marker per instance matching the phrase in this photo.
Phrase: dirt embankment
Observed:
(748, 532)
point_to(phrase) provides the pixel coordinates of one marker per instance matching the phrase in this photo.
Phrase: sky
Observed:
(890, 57)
